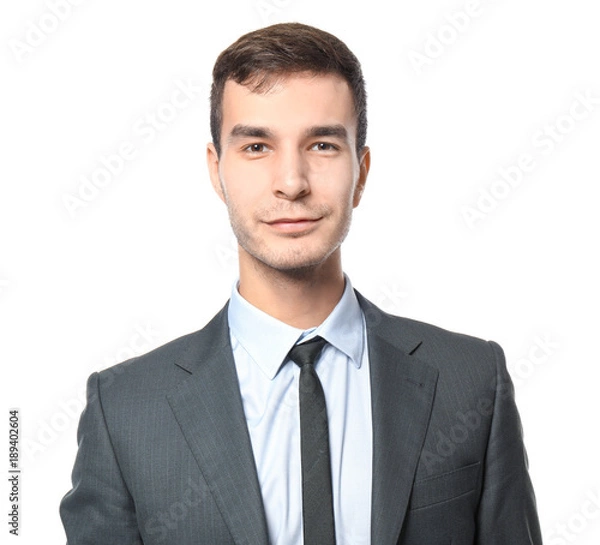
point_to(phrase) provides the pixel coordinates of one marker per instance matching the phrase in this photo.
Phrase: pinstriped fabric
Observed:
(165, 456)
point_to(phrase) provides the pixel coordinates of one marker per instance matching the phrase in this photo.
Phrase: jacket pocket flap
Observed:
(444, 487)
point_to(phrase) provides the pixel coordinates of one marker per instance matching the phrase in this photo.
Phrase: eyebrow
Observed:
(251, 131)
(338, 131)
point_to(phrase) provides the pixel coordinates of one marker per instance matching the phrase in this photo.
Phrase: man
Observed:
(301, 413)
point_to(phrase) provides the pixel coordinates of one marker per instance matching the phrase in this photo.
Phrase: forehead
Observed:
(290, 102)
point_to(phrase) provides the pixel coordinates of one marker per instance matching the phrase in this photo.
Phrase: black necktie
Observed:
(317, 497)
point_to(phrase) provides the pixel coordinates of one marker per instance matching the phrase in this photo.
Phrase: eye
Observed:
(324, 146)
(256, 148)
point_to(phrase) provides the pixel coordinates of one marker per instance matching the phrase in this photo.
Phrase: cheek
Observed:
(241, 187)
(334, 177)
(339, 192)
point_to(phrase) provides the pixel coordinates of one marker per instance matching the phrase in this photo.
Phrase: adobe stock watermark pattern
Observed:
(144, 132)
(37, 31)
(390, 297)
(544, 346)
(174, 514)
(226, 254)
(567, 532)
(49, 430)
(447, 441)
(269, 9)
(544, 142)
(438, 42)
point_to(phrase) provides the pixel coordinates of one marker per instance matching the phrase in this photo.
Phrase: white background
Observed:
(152, 251)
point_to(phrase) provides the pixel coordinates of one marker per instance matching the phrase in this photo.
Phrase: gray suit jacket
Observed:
(165, 455)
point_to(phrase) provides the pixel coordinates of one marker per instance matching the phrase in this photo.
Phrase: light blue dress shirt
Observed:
(269, 388)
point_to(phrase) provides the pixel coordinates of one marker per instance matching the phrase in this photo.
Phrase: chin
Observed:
(295, 265)
(287, 261)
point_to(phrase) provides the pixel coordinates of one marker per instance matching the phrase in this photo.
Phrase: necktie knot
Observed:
(306, 353)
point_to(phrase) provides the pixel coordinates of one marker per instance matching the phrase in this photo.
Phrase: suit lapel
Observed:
(209, 410)
(402, 392)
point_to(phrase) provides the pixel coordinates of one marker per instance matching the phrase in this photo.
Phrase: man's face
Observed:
(288, 170)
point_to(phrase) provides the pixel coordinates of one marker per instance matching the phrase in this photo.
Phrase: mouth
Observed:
(293, 225)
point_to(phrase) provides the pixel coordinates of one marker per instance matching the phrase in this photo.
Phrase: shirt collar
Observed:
(268, 340)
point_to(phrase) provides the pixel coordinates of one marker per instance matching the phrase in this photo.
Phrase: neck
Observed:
(301, 298)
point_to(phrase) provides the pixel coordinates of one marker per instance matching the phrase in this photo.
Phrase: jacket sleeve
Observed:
(99, 509)
(507, 510)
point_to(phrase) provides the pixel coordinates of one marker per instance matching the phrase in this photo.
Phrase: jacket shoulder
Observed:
(439, 347)
(172, 358)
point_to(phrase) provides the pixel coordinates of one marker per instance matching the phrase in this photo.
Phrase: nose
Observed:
(290, 179)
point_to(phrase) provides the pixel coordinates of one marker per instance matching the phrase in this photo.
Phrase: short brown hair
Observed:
(259, 57)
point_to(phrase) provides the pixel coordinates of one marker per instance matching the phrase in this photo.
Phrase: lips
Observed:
(292, 220)
(292, 225)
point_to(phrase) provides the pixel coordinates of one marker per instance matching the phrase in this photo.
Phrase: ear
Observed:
(364, 166)
(212, 161)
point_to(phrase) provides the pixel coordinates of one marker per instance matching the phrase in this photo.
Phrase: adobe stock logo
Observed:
(267, 8)
(567, 532)
(144, 130)
(37, 32)
(544, 142)
(539, 353)
(52, 427)
(438, 42)
(391, 297)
